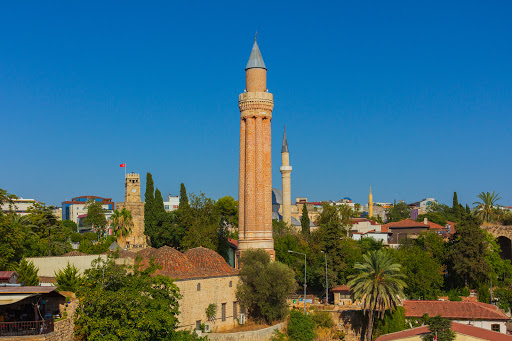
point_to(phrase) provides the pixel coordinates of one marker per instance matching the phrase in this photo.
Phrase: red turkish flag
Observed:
(122, 165)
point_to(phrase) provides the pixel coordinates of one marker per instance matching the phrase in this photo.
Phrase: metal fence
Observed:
(22, 328)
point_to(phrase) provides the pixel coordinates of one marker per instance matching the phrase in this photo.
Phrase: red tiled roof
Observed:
(465, 310)
(47, 279)
(340, 288)
(435, 226)
(233, 242)
(195, 263)
(459, 328)
(384, 229)
(6, 274)
(452, 226)
(405, 223)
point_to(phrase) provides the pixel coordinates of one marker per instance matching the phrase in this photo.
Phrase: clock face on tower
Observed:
(134, 190)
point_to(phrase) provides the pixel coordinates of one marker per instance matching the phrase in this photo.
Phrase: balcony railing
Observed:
(22, 328)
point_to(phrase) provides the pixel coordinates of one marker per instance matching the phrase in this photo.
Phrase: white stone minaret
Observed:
(286, 171)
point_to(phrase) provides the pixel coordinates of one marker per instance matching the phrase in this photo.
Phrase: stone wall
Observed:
(216, 290)
(251, 335)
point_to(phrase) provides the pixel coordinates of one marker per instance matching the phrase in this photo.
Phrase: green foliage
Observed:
(392, 322)
(485, 208)
(424, 274)
(90, 236)
(378, 285)
(468, 254)
(435, 217)
(304, 221)
(500, 269)
(28, 273)
(438, 326)
(96, 247)
(76, 237)
(454, 295)
(158, 204)
(483, 293)
(149, 198)
(300, 327)
(122, 222)
(398, 212)
(95, 215)
(259, 292)
(121, 302)
(503, 297)
(183, 197)
(456, 207)
(322, 319)
(211, 311)
(14, 230)
(228, 209)
(68, 278)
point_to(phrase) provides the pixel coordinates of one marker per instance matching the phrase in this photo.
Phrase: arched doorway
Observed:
(506, 247)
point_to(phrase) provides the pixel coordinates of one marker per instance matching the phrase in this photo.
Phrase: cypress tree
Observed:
(468, 210)
(455, 206)
(183, 197)
(158, 203)
(148, 206)
(304, 221)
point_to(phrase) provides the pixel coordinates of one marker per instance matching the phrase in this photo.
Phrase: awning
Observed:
(13, 298)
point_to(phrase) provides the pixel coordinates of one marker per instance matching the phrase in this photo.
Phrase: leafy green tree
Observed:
(393, 321)
(93, 247)
(122, 222)
(424, 274)
(398, 212)
(228, 209)
(28, 273)
(504, 298)
(483, 293)
(13, 233)
(204, 223)
(304, 221)
(439, 328)
(379, 286)
(95, 215)
(7, 198)
(68, 278)
(468, 254)
(485, 208)
(122, 302)
(435, 217)
(300, 327)
(158, 204)
(259, 292)
(500, 269)
(183, 197)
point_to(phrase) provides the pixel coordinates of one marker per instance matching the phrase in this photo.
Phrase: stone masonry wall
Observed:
(252, 335)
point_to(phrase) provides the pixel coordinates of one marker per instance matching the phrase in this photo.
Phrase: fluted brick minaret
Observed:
(370, 203)
(255, 182)
(286, 171)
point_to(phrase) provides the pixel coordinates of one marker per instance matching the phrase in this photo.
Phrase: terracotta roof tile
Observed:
(47, 279)
(27, 290)
(434, 226)
(459, 328)
(7, 274)
(195, 263)
(465, 310)
(405, 223)
(340, 288)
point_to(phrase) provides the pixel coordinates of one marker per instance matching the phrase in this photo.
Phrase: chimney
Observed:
(425, 221)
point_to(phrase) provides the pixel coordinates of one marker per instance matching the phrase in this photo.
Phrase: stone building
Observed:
(134, 204)
(204, 278)
(255, 181)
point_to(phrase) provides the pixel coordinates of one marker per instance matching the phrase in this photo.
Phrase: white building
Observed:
(19, 206)
(365, 228)
(172, 203)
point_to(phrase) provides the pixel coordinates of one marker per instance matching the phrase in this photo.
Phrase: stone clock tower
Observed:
(132, 202)
(255, 181)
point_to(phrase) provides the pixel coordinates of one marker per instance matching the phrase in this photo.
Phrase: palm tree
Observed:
(485, 207)
(378, 285)
(122, 222)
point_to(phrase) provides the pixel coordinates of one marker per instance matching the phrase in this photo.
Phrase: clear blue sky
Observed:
(413, 98)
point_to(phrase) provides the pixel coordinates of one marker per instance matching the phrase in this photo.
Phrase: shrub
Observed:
(322, 319)
(68, 278)
(301, 327)
(28, 273)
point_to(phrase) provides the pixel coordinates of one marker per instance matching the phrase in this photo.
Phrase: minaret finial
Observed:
(370, 189)
(256, 36)
(284, 148)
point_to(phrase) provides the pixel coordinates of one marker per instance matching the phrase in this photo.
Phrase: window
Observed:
(223, 312)
(198, 325)
(198, 286)
(235, 310)
(230, 284)
(495, 328)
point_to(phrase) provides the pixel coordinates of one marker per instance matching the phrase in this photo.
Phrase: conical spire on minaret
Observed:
(370, 189)
(255, 60)
(284, 148)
